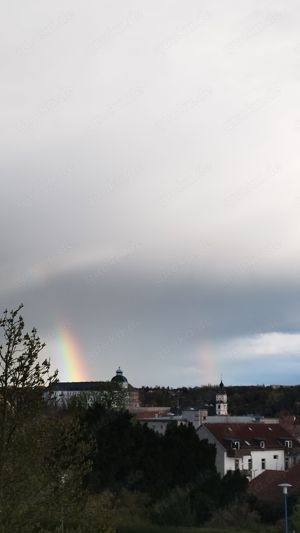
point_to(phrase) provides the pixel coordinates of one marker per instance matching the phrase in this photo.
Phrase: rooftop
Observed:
(265, 486)
(250, 436)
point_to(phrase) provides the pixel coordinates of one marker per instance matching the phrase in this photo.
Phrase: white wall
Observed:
(271, 463)
(221, 404)
(195, 416)
(257, 456)
(160, 426)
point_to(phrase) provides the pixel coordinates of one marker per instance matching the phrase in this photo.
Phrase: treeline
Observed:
(98, 470)
(148, 478)
(260, 400)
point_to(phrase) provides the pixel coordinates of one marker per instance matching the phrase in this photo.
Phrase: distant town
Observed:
(254, 444)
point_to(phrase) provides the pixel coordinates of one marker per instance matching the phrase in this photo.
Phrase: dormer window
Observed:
(288, 443)
(235, 445)
(262, 444)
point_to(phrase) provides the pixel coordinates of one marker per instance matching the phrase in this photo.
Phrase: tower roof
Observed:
(119, 378)
(221, 385)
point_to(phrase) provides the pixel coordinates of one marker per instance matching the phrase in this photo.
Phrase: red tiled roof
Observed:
(265, 486)
(250, 435)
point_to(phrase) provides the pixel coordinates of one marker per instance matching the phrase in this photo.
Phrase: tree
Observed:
(175, 509)
(183, 447)
(22, 377)
(45, 453)
(22, 381)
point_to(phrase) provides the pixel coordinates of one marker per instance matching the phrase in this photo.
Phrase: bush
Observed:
(175, 509)
(236, 515)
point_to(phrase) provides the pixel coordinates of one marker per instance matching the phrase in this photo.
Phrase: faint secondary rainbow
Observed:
(71, 355)
(208, 363)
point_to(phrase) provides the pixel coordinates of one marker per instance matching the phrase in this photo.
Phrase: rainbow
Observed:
(207, 362)
(71, 355)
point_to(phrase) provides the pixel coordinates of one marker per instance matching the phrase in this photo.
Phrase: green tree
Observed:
(44, 452)
(22, 377)
(183, 447)
(175, 509)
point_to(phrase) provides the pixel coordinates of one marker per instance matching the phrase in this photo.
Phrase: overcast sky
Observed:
(150, 191)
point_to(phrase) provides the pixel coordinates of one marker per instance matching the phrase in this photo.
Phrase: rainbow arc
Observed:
(71, 354)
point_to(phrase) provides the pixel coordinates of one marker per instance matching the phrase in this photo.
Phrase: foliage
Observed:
(45, 475)
(170, 529)
(22, 377)
(175, 509)
(212, 493)
(260, 400)
(183, 447)
(236, 515)
(44, 453)
(132, 508)
(295, 518)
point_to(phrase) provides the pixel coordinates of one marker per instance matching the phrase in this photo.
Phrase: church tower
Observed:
(221, 401)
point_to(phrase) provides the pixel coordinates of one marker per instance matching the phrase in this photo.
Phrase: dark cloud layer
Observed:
(155, 327)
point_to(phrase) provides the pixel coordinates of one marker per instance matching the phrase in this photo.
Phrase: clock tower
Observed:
(221, 401)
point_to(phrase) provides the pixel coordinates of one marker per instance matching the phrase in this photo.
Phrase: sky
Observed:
(150, 192)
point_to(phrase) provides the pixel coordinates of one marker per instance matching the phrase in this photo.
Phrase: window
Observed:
(235, 445)
(262, 444)
(249, 464)
(237, 464)
(286, 463)
(263, 464)
(275, 456)
(288, 443)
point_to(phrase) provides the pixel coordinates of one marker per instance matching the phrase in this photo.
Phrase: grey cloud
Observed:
(149, 178)
(151, 324)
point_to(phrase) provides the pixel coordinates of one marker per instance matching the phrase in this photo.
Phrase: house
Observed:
(265, 486)
(251, 447)
(195, 416)
(158, 418)
(159, 424)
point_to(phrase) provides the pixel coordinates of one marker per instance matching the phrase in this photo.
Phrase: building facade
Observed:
(251, 448)
(115, 393)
